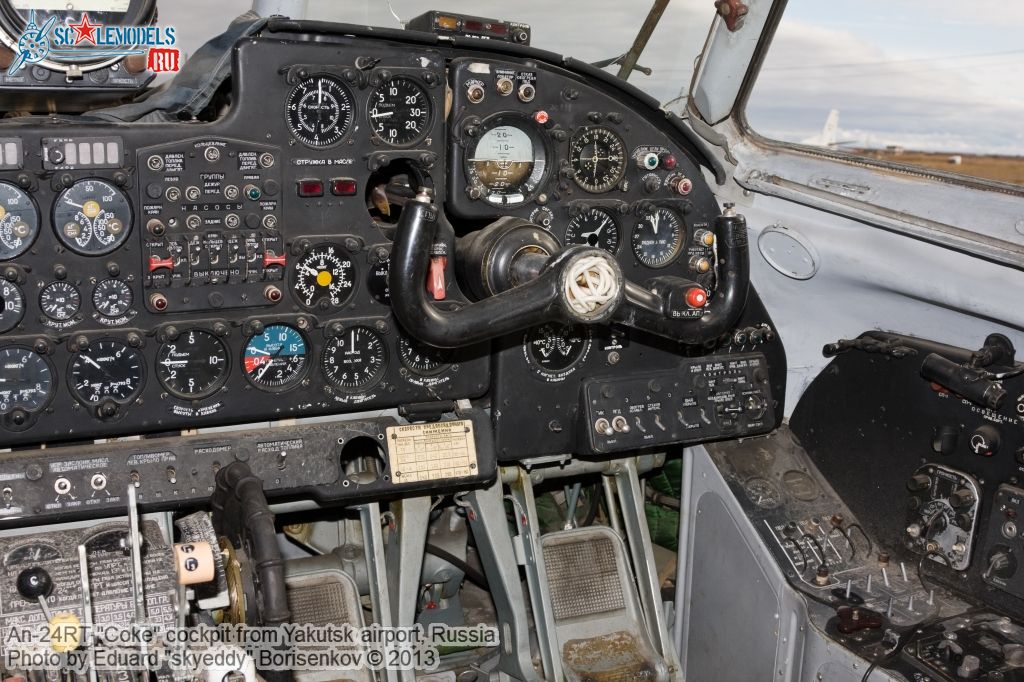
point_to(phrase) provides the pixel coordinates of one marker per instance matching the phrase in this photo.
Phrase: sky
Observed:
(934, 75)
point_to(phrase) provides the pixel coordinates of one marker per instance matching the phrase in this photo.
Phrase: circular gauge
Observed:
(31, 553)
(355, 360)
(19, 221)
(112, 297)
(763, 493)
(377, 282)
(556, 350)
(92, 217)
(507, 161)
(12, 306)
(319, 111)
(60, 301)
(399, 111)
(658, 238)
(324, 277)
(421, 358)
(192, 366)
(595, 227)
(598, 157)
(26, 380)
(107, 370)
(276, 359)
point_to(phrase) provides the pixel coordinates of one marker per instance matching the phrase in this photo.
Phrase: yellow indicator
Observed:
(91, 208)
(449, 23)
(3, 212)
(65, 632)
(324, 279)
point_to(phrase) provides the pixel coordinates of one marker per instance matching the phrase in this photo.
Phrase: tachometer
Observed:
(192, 366)
(60, 300)
(26, 380)
(595, 227)
(19, 221)
(598, 157)
(12, 305)
(112, 298)
(658, 238)
(107, 370)
(92, 217)
(355, 360)
(276, 359)
(399, 111)
(507, 161)
(324, 277)
(319, 111)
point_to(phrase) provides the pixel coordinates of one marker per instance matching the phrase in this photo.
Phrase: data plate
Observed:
(430, 452)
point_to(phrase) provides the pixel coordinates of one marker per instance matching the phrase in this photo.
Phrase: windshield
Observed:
(593, 31)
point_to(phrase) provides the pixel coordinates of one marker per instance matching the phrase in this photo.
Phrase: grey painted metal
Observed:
(611, 504)
(544, 469)
(404, 560)
(638, 537)
(494, 545)
(294, 9)
(380, 598)
(685, 521)
(528, 527)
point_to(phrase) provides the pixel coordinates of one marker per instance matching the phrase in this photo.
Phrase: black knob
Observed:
(985, 440)
(918, 482)
(961, 498)
(34, 583)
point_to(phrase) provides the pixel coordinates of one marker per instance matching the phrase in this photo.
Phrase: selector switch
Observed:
(985, 440)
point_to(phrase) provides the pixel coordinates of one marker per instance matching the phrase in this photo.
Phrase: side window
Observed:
(933, 84)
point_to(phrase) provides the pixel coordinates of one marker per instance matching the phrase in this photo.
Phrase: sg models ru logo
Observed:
(87, 42)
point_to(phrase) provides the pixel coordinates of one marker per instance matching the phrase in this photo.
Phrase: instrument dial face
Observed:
(556, 350)
(31, 553)
(60, 301)
(92, 217)
(598, 157)
(276, 359)
(324, 277)
(26, 380)
(12, 306)
(107, 370)
(355, 360)
(507, 161)
(658, 238)
(19, 221)
(399, 112)
(595, 227)
(192, 366)
(112, 297)
(762, 493)
(319, 111)
(422, 359)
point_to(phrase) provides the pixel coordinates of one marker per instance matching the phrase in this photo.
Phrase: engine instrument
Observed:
(508, 162)
(19, 221)
(112, 298)
(324, 277)
(60, 301)
(107, 370)
(355, 360)
(555, 350)
(319, 111)
(422, 359)
(92, 217)
(26, 380)
(399, 112)
(192, 366)
(12, 305)
(276, 359)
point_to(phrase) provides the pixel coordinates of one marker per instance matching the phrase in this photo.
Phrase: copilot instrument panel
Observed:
(162, 276)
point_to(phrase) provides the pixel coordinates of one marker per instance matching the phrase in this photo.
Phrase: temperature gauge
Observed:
(276, 359)
(92, 217)
(19, 221)
(556, 350)
(26, 380)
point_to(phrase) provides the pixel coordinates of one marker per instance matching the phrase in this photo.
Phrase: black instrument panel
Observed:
(179, 275)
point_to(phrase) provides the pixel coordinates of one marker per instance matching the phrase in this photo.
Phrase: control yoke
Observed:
(521, 277)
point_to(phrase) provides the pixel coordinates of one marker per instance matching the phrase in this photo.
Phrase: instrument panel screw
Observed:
(134, 340)
(171, 332)
(41, 346)
(33, 472)
(220, 329)
(81, 342)
(337, 329)
(352, 244)
(382, 326)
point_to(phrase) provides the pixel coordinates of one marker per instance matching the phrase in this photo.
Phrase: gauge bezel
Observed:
(679, 248)
(429, 104)
(116, 243)
(342, 254)
(439, 370)
(215, 387)
(536, 134)
(607, 187)
(143, 375)
(558, 376)
(349, 124)
(51, 392)
(38, 226)
(295, 381)
(608, 211)
(21, 315)
(373, 381)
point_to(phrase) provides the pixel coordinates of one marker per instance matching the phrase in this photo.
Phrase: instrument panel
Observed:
(179, 275)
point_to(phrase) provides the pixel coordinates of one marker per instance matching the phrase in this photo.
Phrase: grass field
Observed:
(1003, 168)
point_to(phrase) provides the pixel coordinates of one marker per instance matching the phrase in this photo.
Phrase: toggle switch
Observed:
(435, 277)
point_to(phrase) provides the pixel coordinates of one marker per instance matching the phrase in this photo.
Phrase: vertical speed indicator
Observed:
(276, 359)
(319, 111)
(399, 112)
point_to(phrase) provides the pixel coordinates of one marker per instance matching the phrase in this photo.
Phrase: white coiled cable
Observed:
(592, 284)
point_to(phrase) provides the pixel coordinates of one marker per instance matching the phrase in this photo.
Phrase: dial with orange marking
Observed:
(324, 278)
(92, 217)
(276, 359)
